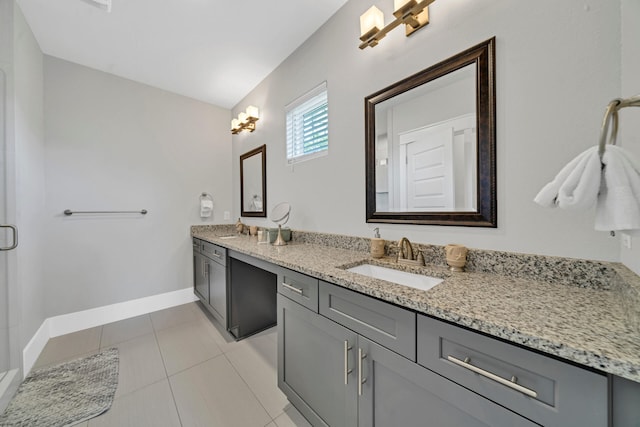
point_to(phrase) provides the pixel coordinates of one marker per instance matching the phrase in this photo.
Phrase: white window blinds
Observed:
(308, 125)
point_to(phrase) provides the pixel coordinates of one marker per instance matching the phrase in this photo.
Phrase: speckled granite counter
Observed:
(592, 321)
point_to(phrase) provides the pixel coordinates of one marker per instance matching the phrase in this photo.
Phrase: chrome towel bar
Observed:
(70, 212)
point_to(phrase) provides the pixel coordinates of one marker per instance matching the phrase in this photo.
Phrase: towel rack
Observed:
(69, 212)
(611, 115)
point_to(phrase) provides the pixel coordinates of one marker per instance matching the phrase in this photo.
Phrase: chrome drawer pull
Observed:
(361, 356)
(217, 255)
(509, 383)
(347, 371)
(292, 288)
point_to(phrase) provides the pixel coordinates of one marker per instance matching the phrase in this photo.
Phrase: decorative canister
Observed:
(456, 256)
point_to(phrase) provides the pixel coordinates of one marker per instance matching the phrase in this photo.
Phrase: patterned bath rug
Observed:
(65, 394)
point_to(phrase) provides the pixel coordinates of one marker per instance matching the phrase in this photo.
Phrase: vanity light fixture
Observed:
(246, 120)
(413, 14)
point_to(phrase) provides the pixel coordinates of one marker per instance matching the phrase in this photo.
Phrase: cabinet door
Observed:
(314, 364)
(398, 392)
(218, 290)
(200, 277)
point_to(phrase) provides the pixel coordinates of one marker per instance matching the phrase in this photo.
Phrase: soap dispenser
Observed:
(377, 244)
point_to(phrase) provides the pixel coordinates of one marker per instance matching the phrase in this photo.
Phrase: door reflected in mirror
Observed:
(253, 182)
(430, 144)
(426, 147)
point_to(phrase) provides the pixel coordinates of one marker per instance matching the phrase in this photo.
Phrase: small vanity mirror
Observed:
(430, 144)
(253, 182)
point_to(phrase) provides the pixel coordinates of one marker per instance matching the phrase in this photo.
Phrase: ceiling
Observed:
(216, 51)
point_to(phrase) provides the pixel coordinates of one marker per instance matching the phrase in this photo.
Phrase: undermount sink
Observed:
(417, 281)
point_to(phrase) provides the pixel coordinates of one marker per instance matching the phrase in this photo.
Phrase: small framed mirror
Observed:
(431, 145)
(253, 182)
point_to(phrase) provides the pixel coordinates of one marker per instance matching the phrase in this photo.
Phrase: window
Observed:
(308, 125)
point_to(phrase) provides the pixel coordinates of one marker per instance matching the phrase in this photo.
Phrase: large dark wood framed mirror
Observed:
(431, 144)
(253, 182)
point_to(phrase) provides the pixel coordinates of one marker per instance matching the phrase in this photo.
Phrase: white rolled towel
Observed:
(618, 205)
(206, 208)
(577, 184)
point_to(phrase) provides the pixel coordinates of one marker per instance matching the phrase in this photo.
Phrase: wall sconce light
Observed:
(412, 13)
(246, 120)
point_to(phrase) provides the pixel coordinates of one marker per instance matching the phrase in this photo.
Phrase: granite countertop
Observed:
(589, 325)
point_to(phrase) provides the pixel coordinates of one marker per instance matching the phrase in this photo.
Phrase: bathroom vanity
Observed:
(358, 361)
(478, 349)
(238, 290)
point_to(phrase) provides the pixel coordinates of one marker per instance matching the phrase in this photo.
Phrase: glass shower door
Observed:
(9, 353)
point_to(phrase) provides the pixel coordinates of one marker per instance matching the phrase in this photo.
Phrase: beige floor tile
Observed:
(125, 330)
(202, 312)
(151, 406)
(140, 364)
(213, 394)
(292, 418)
(186, 345)
(224, 340)
(70, 346)
(271, 424)
(173, 316)
(256, 362)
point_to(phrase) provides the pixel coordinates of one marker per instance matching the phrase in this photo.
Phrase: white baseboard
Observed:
(35, 346)
(73, 322)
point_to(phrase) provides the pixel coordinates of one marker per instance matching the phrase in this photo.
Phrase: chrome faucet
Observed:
(406, 255)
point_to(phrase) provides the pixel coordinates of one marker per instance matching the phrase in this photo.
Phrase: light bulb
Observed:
(252, 111)
(371, 19)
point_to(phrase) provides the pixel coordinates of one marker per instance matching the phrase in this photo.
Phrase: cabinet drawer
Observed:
(299, 287)
(552, 393)
(215, 252)
(197, 245)
(390, 326)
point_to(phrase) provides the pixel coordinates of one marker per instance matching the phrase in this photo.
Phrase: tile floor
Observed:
(177, 368)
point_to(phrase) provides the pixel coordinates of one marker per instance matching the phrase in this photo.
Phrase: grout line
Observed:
(193, 366)
(117, 343)
(164, 365)
(273, 419)
(138, 389)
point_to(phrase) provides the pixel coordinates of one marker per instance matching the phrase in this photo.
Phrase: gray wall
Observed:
(558, 65)
(630, 118)
(113, 144)
(30, 179)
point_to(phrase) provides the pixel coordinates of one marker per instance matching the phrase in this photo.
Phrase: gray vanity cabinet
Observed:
(398, 392)
(338, 377)
(313, 354)
(210, 278)
(545, 390)
(200, 269)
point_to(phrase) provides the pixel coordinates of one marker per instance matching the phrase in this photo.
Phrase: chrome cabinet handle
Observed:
(292, 288)
(15, 237)
(513, 383)
(217, 255)
(361, 356)
(347, 371)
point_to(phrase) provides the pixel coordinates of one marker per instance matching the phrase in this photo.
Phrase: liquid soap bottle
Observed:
(377, 245)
